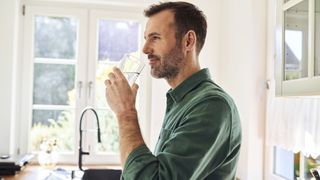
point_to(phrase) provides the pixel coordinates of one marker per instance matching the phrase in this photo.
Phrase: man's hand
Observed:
(120, 97)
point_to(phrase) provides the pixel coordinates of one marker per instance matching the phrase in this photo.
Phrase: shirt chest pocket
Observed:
(164, 136)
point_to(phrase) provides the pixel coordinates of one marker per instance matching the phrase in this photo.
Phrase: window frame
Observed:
(308, 86)
(85, 56)
(27, 76)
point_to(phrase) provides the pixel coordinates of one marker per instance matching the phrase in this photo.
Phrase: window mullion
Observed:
(52, 107)
(279, 31)
(55, 61)
(302, 166)
(311, 41)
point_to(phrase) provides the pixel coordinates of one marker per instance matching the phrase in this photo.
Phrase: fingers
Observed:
(135, 88)
(118, 73)
(107, 82)
(112, 77)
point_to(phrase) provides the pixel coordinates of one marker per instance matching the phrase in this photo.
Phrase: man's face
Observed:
(163, 50)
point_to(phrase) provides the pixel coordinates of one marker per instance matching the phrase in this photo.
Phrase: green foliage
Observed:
(110, 132)
(292, 75)
(108, 122)
(61, 129)
(55, 37)
(52, 83)
(309, 163)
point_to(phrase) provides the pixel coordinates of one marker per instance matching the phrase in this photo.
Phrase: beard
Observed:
(170, 64)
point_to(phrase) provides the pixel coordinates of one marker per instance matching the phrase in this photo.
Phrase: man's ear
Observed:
(190, 40)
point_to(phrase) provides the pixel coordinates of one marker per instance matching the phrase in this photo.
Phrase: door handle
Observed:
(79, 89)
(90, 84)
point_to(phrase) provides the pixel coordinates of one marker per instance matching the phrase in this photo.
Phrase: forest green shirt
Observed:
(200, 137)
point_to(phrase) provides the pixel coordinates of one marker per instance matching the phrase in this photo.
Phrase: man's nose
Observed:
(146, 48)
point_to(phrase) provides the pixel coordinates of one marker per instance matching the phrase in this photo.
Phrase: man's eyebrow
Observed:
(152, 34)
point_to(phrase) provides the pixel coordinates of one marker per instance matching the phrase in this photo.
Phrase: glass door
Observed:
(68, 54)
(54, 70)
(53, 79)
(112, 35)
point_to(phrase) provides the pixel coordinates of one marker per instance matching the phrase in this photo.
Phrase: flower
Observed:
(48, 144)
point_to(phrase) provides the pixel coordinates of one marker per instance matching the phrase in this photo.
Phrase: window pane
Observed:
(296, 41)
(54, 84)
(103, 69)
(55, 37)
(317, 40)
(53, 124)
(116, 38)
(109, 132)
(285, 162)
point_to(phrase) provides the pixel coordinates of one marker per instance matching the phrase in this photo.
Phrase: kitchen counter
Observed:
(36, 172)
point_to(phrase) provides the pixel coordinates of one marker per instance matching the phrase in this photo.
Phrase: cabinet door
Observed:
(296, 41)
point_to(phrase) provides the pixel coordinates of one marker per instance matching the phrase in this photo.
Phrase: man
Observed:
(201, 134)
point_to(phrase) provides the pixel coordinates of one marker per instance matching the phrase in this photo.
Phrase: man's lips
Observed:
(152, 63)
(153, 60)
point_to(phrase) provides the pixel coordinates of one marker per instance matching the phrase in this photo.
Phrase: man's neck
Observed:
(183, 75)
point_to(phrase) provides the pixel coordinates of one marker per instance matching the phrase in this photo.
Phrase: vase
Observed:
(47, 160)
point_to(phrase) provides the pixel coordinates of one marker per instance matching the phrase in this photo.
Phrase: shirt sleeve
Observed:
(205, 125)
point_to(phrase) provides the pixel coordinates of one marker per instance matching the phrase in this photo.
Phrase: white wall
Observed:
(8, 23)
(243, 75)
(211, 52)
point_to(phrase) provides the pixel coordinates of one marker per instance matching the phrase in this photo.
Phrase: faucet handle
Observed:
(85, 153)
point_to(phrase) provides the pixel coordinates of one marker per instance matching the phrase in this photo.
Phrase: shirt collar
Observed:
(187, 85)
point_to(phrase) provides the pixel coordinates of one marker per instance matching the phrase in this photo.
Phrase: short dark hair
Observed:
(187, 17)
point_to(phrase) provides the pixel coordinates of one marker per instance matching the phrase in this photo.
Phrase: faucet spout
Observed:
(81, 152)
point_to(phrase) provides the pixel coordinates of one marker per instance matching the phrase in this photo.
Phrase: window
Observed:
(115, 38)
(282, 158)
(300, 168)
(69, 53)
(54, 63)
(292, 121)
(297, 39)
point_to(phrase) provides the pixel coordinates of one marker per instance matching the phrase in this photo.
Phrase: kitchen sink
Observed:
(101, 174)
(88, 174)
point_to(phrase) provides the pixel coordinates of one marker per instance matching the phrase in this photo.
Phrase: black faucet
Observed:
(81, 152)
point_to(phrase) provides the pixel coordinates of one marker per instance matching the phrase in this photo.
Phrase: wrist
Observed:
(131, 113)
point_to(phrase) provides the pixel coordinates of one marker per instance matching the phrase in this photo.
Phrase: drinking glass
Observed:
(131, 67)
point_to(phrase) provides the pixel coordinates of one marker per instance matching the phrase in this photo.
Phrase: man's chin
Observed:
(155, 74)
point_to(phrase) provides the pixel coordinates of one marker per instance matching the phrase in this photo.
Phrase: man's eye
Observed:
(155, 38)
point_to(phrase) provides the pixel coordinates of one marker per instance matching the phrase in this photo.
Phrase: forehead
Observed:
(161, 23)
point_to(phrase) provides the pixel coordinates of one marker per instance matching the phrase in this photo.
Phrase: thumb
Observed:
(134, 89)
